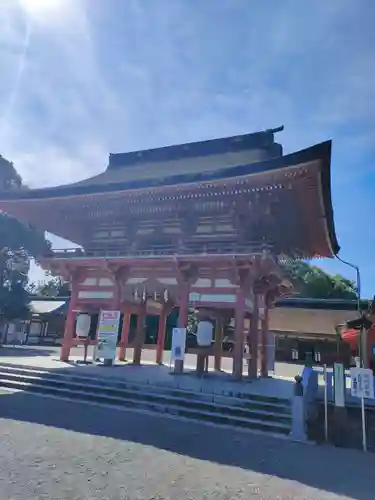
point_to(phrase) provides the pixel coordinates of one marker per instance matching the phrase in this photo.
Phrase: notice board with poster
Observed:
(108, 327)
(178, 344)
(362, 383)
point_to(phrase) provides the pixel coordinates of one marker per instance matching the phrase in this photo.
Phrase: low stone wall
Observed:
(344, 427)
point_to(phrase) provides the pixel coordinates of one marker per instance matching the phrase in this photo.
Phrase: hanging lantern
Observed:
(205, 333)
(83, 325)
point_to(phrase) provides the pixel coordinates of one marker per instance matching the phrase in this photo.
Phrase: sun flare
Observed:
(41, 6)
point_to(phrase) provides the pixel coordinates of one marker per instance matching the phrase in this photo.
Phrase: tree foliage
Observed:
(312, 282)
(14, 302)
(56, 287)
(18, 244)
(9, 177)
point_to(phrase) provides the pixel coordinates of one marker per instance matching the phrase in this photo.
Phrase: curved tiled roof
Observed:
(213, 147)
(117, 181)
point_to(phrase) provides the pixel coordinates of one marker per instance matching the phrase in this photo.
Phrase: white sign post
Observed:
(108, 327)
(178, 344)
(339, 387)
(362, 387)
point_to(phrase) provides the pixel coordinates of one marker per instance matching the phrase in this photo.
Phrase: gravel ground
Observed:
(54, 449)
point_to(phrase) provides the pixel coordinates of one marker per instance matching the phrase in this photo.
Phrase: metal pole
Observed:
(325, 403)
(364, 438)
(362, 335)
(358, 279)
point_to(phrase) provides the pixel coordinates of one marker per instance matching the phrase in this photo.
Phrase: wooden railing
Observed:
(157, 251)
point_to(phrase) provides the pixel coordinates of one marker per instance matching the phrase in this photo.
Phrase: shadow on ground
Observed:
(343, 472)
(22, 352)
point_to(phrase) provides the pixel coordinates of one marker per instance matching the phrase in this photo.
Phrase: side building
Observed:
(308, 328)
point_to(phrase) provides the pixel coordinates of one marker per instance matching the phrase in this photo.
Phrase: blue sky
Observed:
(82, 78)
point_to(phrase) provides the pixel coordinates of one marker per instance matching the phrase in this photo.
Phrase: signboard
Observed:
(362, 383)
(108, 327)
(339, 384)
(178, 344)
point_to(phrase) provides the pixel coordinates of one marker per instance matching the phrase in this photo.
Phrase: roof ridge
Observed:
(262, 139)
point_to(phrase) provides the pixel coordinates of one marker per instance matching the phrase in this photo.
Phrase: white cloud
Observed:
(46, 126)
(116, 76)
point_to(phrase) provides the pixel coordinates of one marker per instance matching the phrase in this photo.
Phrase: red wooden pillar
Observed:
(140, 335)
(182, 320)
(265, 340)
(218, 348)
(116, 299)
(161, 336)
(70, 323)
(124, 336)
(239, 335)
(254, 339)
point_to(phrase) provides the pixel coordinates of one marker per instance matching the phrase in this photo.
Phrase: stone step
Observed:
(149, 395)
(267, 415)
(91, 394)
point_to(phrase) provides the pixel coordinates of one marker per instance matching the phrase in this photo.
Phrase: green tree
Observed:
(312, 282)
(19, 243)
(9, 177)
(55, 287)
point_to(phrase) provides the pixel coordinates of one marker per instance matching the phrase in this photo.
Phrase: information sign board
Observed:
(362, 383)
(108, 327)
(178, 344)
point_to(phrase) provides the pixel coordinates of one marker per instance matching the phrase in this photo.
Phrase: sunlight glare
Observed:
(35, 5)
(42, 8)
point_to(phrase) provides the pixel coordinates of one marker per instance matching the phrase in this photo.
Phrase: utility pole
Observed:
(363, 333)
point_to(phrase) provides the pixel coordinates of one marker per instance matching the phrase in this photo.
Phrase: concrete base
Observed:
(107, 362)
(339, 427)
(298, 432)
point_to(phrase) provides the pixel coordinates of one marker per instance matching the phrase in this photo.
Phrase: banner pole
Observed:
(364, 438)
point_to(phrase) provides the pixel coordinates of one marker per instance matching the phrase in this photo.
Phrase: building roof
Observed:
(195, 162)
(143, 184)
(310, 303)
(258, 140)
(46, 306)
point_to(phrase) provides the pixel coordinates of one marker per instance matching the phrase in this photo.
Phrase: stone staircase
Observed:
(247, 411)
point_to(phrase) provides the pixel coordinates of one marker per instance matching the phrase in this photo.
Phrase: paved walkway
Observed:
(150, 374)
(53, 449)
